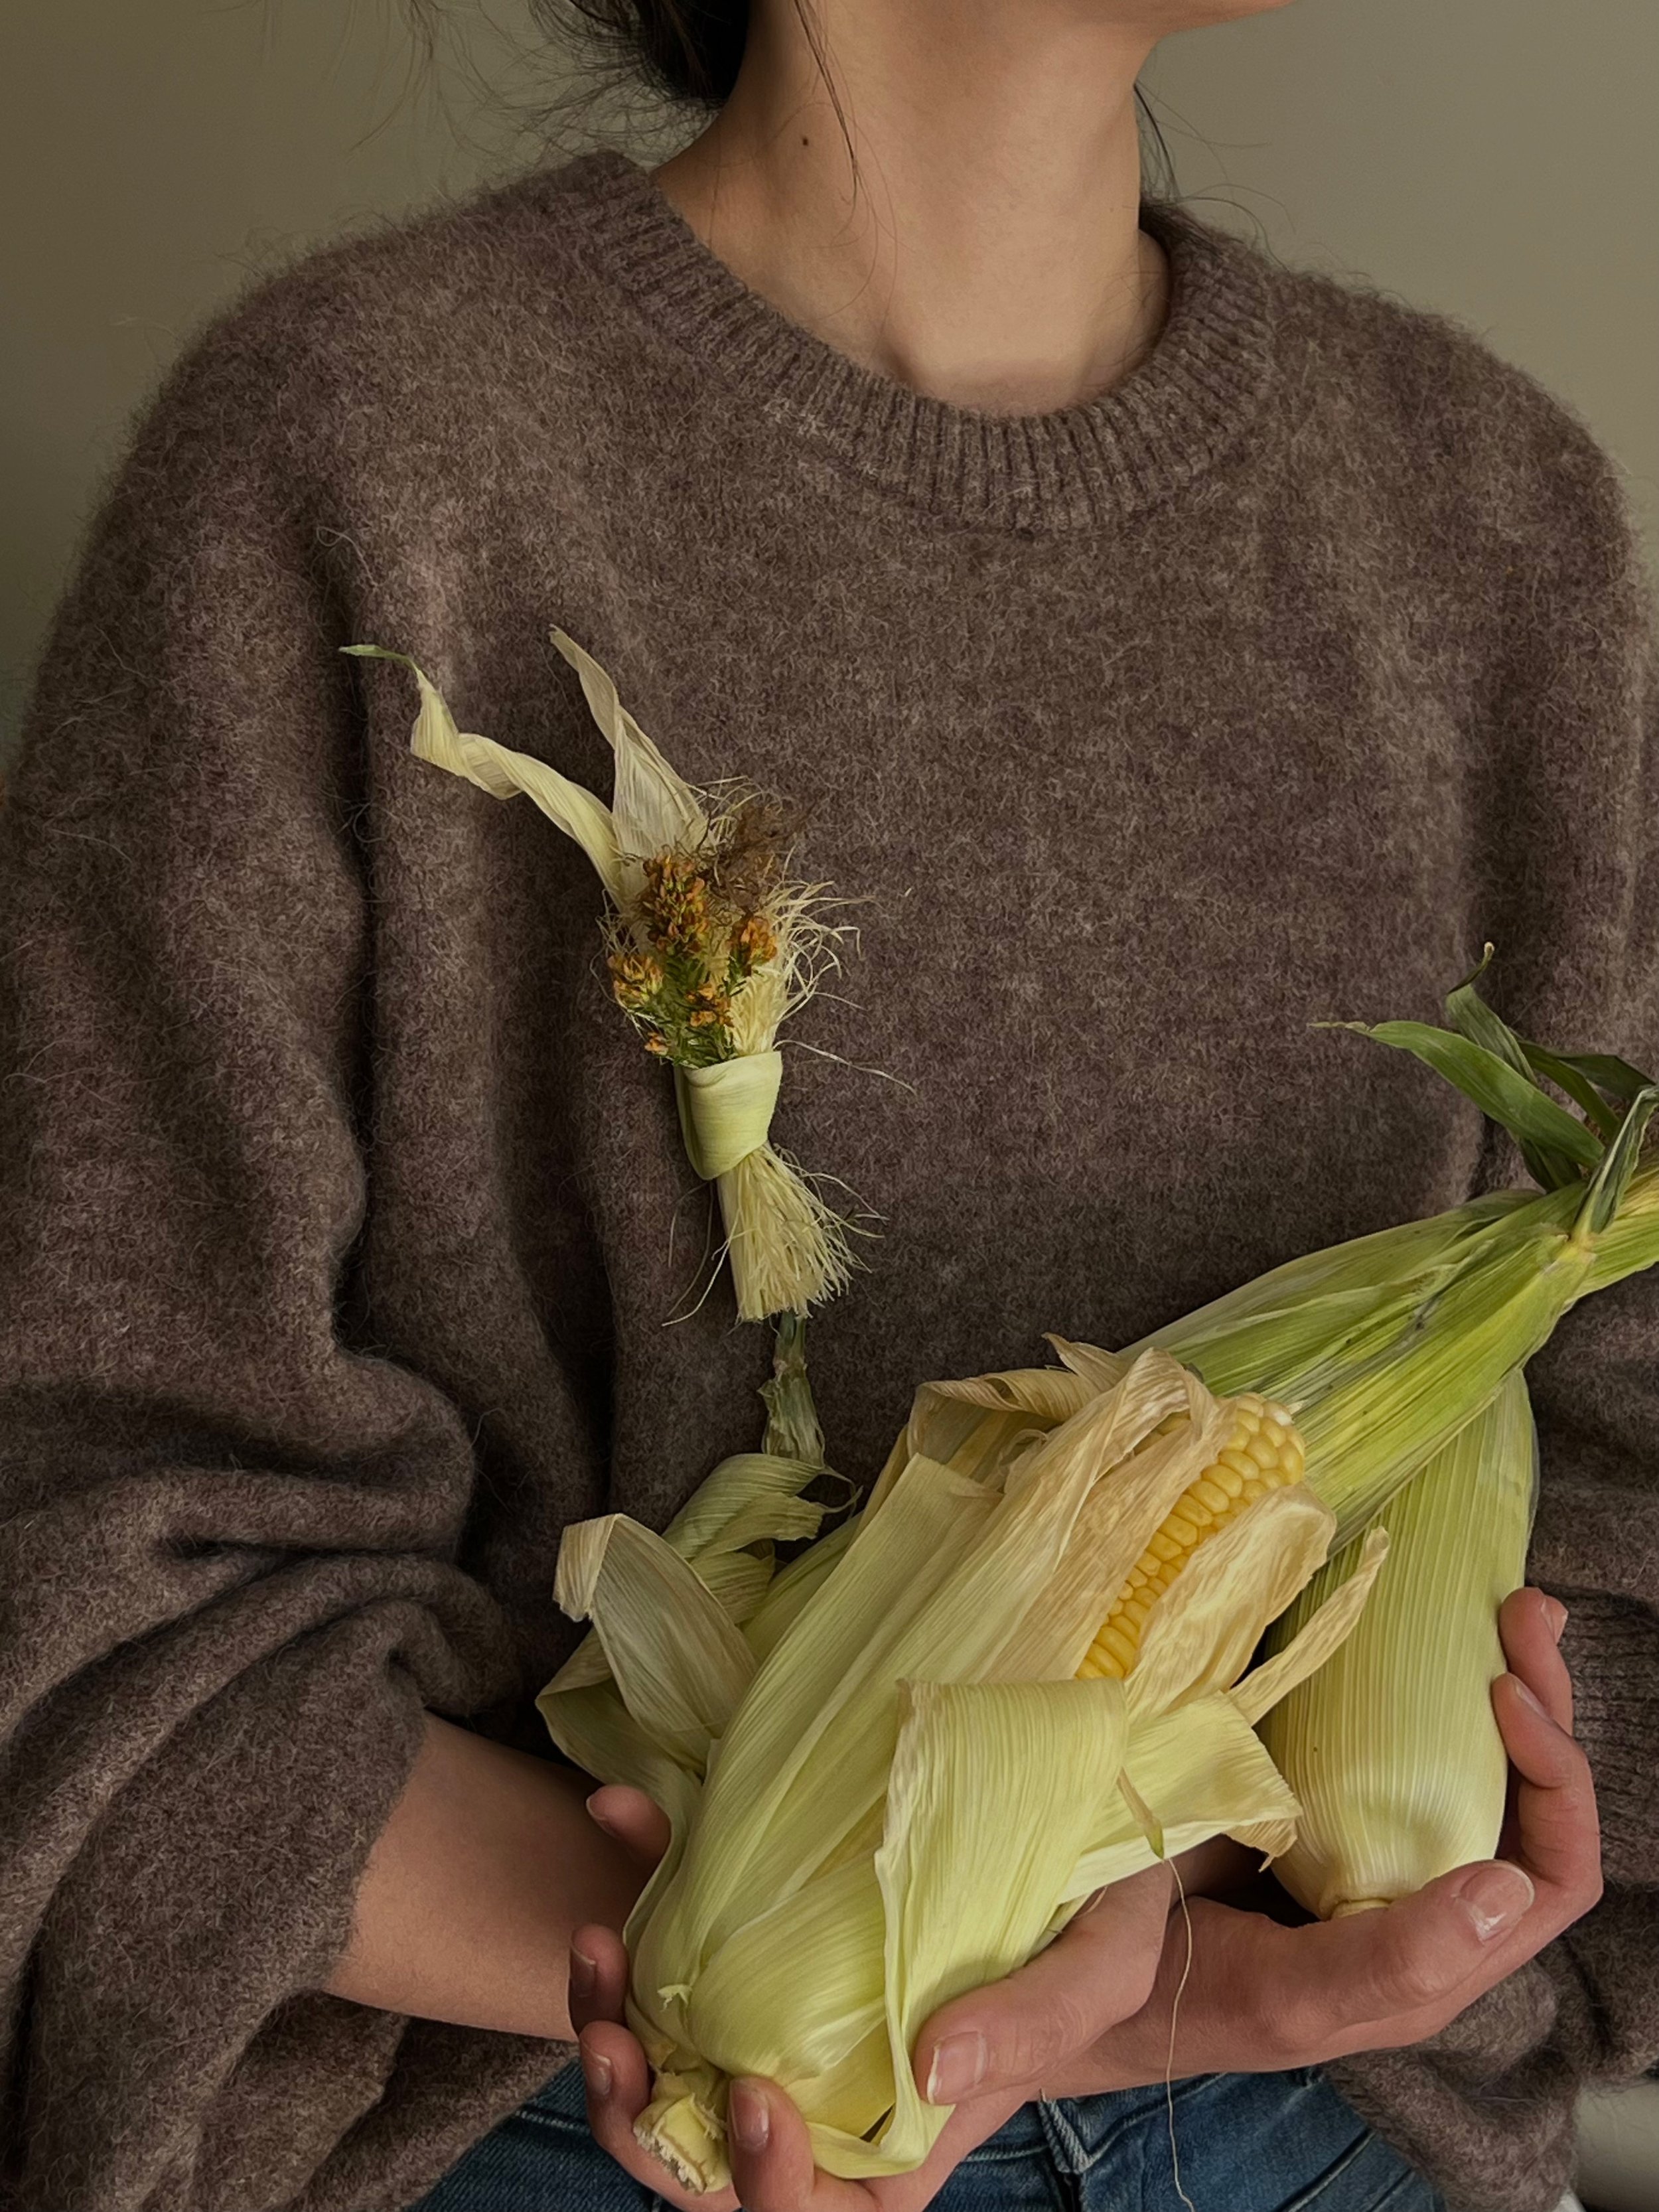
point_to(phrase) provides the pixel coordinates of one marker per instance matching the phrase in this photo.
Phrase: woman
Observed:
(1172, 649)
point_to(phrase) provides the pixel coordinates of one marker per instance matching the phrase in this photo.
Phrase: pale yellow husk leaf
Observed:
(504, 774)
(1392, 1749)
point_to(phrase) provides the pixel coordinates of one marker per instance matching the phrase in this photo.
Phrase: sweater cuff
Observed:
(1611, 1645)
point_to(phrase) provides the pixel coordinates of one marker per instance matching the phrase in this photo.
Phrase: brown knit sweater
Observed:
(337, 1201)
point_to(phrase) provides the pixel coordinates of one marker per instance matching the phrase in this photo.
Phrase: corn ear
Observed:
(895, 1785)
(1392, 1748)
(1383, 1347)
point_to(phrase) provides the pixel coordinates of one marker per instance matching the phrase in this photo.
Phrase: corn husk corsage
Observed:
(711, 946)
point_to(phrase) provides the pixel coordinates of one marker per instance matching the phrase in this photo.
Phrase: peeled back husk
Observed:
(900, 1790)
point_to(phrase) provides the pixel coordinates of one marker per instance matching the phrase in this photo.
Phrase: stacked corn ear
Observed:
(1400, 1355)
(1393, 1749)
(903, 1772)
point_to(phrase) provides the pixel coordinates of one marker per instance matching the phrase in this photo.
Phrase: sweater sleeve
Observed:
(1565, 788)
(230, 1534)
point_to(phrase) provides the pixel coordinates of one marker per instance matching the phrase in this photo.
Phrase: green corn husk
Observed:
(1380, 1373)
(1392, 1748)
(1384, 1347)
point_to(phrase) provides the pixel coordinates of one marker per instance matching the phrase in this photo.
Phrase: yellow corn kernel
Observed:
(1262, 1452)
(1113, 1643)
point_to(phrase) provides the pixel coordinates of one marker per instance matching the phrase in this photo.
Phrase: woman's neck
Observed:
(989, 253)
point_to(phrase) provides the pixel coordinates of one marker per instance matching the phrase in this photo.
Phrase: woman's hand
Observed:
(1261, 1996)
(1048, 2014)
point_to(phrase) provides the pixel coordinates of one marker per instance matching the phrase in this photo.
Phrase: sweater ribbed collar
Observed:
(1071, 467)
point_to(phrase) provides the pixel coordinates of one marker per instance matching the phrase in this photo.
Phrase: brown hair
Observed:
(687, 49)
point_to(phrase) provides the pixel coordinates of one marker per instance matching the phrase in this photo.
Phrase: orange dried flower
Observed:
(674, 903)
(707, 1005)
(636, 977)
(754, 942)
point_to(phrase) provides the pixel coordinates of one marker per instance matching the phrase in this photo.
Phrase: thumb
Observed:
(640, 1826)
(1428, 1945)
(1022, 2029)
(1365, 1981)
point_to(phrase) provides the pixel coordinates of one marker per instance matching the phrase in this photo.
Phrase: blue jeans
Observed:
(1248, 2143)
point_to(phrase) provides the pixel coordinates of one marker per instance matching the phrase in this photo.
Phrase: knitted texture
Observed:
(342, 1218)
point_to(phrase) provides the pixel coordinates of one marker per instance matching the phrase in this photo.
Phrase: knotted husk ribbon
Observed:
(774, 1225)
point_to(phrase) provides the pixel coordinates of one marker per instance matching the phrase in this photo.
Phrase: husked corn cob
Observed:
(1263, 1452)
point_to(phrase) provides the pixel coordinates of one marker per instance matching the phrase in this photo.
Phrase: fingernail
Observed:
(959, 2068)
(583, 1974)
(748, 2116)
(594, 1813)
(1527, 1697)
(1558, 1616)
(1495, 1898)
(596, 2072)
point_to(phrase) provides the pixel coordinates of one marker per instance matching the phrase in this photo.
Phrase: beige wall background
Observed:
(1496, 159)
